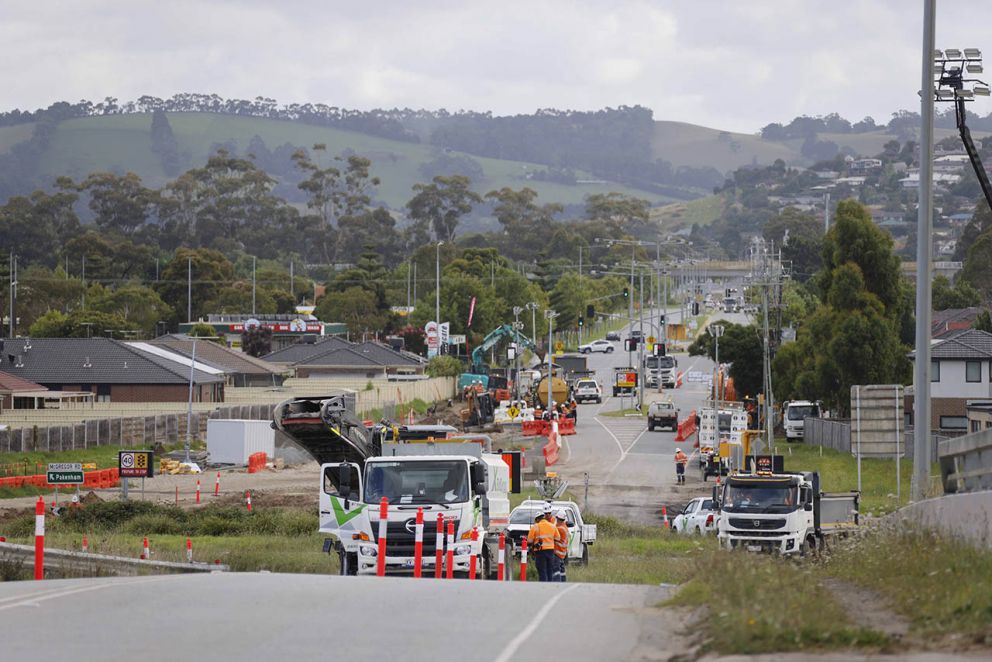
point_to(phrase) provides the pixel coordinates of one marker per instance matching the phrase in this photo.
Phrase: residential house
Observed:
(946, 322)
(238, 368)
(113, 371)
(341, 358)
(960, 373)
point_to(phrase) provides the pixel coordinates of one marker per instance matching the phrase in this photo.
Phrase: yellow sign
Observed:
(559, 346)
(89, 466)
(651, 340)
(513, 411)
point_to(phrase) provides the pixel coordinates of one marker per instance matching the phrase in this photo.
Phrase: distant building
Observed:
(338, 357)
(959, 372)
(945, 322)
(286, 329)
(238, 368)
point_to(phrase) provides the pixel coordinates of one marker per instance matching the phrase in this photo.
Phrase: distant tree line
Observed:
(806, 127)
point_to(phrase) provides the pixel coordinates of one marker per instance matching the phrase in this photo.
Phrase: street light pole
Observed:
(550, 315)
(189, 289)
(189, 409)
(921, 369)
(437, 281)
(716, 330)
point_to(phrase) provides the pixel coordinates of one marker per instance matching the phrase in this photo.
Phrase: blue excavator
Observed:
(479, 372)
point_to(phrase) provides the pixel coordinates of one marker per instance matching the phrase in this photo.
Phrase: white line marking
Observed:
(32, 600)
(623, 455)
(517, 641)
(609, 432)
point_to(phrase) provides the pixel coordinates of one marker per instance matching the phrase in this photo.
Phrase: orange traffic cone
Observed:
(664, 517)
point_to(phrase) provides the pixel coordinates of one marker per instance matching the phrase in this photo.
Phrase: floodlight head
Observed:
(965, 94)
(938, 54)
(981, 91)
(952, 54)
(974, 68)
(972, 53)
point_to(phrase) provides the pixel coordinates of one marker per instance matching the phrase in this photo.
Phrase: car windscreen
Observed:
(585, 384)
(434, 481)
(760, 498)
(523, 516)
(707, 504)
(804, 411)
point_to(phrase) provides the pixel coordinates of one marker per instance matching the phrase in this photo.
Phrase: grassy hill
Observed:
(682, 215)
(684, 144)
(121, 143)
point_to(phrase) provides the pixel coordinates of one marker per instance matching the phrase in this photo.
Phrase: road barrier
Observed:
(39, 539)
(146, 553)
(256, 462)
(197, 490)
(217, 485)
(248, 499)
(380, 569)
(472, 559)
(450, 558)
(566, 426)
(686, 427)
(664, 516)
(189, 550)
(439, 546)
(501, 559)
(418, 543)
(523, 560)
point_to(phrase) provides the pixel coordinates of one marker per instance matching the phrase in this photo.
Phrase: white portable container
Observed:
(231, 441)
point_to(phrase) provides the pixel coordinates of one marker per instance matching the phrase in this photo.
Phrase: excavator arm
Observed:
(491, 340)
(969, 147)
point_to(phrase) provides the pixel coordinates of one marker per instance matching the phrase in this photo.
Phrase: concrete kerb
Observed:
(967, 516)
(121, 566)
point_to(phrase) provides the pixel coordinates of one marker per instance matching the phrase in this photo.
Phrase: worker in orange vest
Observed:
(561, 543)
(541, 538)
(681, 459)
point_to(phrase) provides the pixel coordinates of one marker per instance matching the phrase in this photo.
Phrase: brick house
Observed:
(112, 370)
(960, 373)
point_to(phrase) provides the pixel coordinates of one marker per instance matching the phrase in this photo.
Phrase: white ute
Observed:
(580, 535)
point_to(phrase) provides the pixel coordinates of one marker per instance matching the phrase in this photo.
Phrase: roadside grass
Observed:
(839, 473)
(941, 584)
(762, 604)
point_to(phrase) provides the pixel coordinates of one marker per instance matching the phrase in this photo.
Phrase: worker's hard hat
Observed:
(678, 450)
(547, 509)
(560, 514)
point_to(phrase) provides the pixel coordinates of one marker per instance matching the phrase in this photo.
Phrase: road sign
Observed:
(136, 464)
(513, 411)
(65, 473)
(651, 340)
(456, 340)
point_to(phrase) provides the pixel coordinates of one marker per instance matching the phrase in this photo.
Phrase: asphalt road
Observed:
(263, 616)
(631, 470)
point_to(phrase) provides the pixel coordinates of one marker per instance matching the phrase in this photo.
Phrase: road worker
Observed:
(680, 461)
(561, 542)
(541, 539)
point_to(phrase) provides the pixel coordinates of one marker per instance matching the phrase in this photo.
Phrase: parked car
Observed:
(604, 346)
(663, 414)
(586, 390)
(698, 517)
(613, 335)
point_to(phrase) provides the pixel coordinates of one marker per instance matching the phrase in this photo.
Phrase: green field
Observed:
(681, 215)
(121, 143)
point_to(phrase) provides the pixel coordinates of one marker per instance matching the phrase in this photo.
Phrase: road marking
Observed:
(33, 600)
(516, 642)
(623, 455)
(613, 436)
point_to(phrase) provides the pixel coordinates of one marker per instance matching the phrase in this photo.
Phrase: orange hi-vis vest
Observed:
(681, 458)
(542, 535)
(561, 542)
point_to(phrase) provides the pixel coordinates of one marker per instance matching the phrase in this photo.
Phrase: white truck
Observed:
(661, 371)
(581, 536)
(454, 478)
(794, 415)
(781, 512)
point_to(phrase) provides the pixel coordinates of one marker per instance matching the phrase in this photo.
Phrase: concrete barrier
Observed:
(967, 516)
(80, 563)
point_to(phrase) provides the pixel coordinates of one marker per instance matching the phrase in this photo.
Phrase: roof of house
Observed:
(368, 354)
(945, 322)
(13, 384)
(92, 361)
(301, 351)
(231, 361)
(965, 344)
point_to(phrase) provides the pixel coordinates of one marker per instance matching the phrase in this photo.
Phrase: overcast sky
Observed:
(729, 64)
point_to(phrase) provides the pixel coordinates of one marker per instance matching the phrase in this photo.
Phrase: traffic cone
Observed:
(664, 516)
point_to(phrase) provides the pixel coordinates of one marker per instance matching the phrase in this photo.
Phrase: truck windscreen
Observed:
(760, 498)
(663, 362)
(801, 412)
(433, 481)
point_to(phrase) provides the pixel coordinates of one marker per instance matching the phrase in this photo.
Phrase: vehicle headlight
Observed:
(463, 550)
(368, 550)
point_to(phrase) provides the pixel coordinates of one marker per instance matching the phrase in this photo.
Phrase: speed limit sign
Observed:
(136, 464)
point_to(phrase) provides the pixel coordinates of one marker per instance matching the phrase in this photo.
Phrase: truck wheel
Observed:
(585, 555)
(650, 427)
(352, 562)
(599, 401)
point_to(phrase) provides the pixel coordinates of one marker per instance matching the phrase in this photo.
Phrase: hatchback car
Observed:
(613, 335)
(604, 346)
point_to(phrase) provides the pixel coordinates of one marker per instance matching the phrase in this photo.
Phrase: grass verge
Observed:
(762, 604)
(942, 585)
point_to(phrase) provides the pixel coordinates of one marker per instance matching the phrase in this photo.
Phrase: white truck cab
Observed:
(794, 415)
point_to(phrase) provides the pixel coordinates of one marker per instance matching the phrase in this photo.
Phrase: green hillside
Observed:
(122, 143)
(681, 215)
(684, 144)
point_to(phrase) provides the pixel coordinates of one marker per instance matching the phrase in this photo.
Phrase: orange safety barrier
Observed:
(256, 462)
(550, 452)
(686, 427)
(566, 426)
(501, 394)
(531, 428)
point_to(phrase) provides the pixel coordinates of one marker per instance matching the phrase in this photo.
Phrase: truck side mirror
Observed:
(480, 488)
(344, 481)
(808, 507)
(716, 496)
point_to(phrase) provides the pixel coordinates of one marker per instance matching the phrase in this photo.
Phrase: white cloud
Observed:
(730, 65)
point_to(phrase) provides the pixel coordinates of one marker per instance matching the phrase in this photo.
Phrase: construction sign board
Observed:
(136, 464)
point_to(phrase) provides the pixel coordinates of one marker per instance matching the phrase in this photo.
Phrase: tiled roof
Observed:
(966, 344)
(366, 354)
(231, 361)
(301, 352)
(945, 322)
(91, 361)
(13, 384)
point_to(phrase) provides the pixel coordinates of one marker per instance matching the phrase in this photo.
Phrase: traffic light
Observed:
(590, 311)
(662, 319)
(695, 307)
(581, 321)
(658, 349)
(626, 293)
(727, 293)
